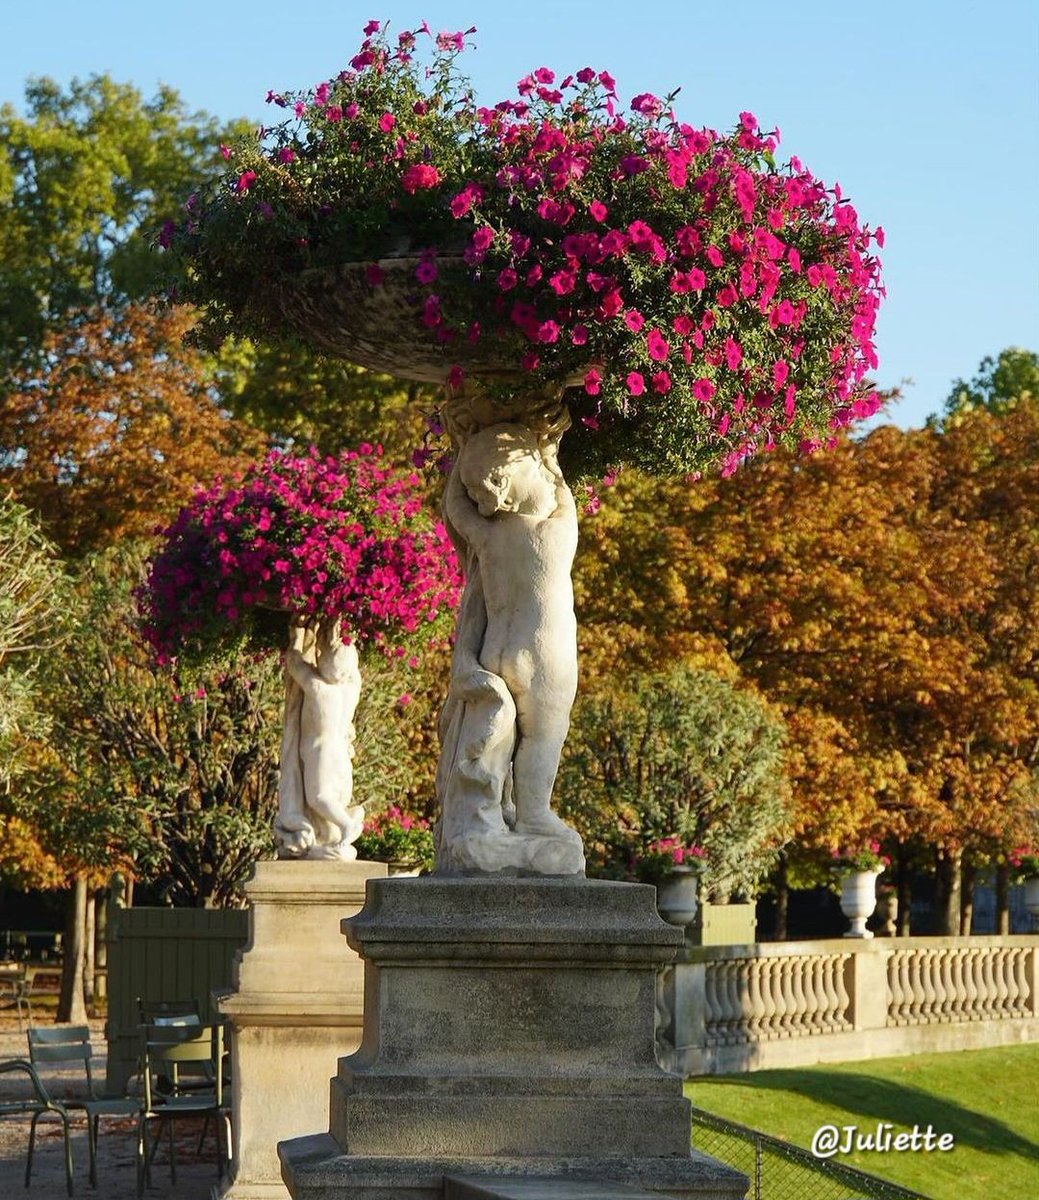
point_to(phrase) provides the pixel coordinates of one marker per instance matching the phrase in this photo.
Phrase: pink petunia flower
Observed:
(636, 383)
(657, 345)
(387, 122)
(418, 177)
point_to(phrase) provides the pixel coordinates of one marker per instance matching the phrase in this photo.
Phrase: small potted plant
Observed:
(675, 870)
(398, 838)
(858, 870)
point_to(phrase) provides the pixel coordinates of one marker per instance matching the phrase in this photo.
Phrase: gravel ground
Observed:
(117, 1144)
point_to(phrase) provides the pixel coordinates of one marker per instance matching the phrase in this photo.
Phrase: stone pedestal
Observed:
(509, 1032)
(296, 1005)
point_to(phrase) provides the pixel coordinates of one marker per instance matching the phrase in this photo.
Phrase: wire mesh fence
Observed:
(779, 1171)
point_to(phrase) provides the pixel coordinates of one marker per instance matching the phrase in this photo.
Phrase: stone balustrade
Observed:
(733, 1008)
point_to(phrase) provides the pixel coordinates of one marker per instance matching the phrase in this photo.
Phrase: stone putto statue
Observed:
(514, 675)
(316, 817)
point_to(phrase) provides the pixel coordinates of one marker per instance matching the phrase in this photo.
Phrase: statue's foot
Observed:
(295, 843)
(546, 824)
(512, 853)
(344, 851)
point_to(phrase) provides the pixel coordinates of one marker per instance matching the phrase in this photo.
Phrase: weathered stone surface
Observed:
(297, 1003)
(314, 1169)
(509, 1031)
(487, 1187)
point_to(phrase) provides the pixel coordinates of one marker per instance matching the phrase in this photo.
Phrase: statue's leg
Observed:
(542, 732)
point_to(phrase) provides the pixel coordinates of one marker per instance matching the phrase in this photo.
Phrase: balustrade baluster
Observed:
(1000, 962)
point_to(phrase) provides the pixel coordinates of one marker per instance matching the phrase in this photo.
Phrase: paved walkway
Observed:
(117, 1145)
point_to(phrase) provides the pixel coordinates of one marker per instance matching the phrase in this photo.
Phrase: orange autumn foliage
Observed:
(109, 437)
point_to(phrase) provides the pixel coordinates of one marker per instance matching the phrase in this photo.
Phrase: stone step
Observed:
(490, 1187)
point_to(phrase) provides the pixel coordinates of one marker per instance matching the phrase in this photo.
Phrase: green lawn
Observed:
(988, 1100)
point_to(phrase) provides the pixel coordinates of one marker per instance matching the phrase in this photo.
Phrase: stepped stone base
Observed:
(319, 1169)
(509, 1032)
(295, 1004)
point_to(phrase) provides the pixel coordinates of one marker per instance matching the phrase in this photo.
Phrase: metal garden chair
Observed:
(169, 1049)
(38, 1104)
(65, 1045)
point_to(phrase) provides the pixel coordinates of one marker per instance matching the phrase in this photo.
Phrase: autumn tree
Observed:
(111, 431)
(882, 594)
(33, 621)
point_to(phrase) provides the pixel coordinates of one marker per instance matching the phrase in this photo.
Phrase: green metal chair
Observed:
(38, 1104)
(14, 992)
(169, 1050)
(65, 1045)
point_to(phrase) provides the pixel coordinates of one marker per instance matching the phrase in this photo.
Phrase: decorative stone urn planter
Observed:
(676, 895)
(858, 900)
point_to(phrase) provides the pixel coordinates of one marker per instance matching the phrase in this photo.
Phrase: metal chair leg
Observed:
(32, 1144)
(68, 1154)
(92, 1132)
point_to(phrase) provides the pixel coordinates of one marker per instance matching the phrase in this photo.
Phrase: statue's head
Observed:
(502, 470)
(334, 658)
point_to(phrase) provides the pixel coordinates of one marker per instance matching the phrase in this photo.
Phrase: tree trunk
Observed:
(968, 877)
(1003, 899)
(905, 899)
(782, 900)
(101, 947)
(72, 1007)
(89, 934)
(947, 892)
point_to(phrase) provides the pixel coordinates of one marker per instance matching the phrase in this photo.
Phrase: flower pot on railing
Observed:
(858, 900)
(676, 895)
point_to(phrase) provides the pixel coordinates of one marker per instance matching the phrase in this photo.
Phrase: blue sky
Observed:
(925, 111)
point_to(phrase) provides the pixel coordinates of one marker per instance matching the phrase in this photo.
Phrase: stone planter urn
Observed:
(676, 895)
(858, 900)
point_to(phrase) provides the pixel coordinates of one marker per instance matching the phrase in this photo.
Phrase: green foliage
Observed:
(85, 174)
(999, 384)
(680, 753)
(397, 837)
(302, 398)
(33, 599)
(172, 775)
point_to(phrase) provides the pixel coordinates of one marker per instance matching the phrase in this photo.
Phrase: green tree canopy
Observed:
(999, 383)
(87, 174)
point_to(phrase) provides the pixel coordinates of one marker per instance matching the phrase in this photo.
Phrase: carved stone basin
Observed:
(380, 326)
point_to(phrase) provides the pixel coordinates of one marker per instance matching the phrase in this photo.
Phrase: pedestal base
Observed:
(509, 1031)
(316, 1167)
(297, 1004)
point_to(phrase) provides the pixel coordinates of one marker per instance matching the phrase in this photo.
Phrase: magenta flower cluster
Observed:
(340, 537)
(678, 852)
(709, 303)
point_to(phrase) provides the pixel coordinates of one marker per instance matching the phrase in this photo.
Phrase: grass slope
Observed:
(988, 1099)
